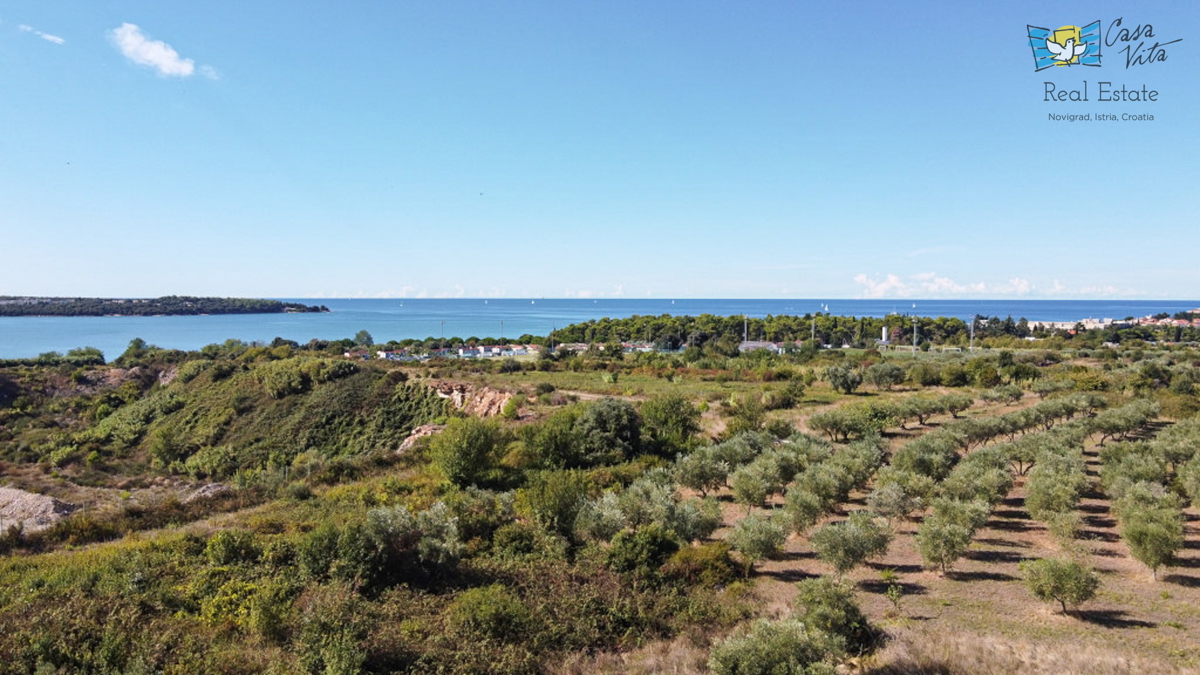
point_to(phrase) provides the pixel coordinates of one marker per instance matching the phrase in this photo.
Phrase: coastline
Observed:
(421, 318)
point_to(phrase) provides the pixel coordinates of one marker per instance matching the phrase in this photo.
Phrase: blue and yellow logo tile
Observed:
(1065, 46)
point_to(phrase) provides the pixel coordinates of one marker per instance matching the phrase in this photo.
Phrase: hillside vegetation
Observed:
(247, 509)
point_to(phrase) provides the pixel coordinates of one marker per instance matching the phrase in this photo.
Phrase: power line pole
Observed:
(914, 336)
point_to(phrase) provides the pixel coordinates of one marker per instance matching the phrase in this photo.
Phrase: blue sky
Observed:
(636, 149)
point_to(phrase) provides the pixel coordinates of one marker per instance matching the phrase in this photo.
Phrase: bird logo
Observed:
(1066, 53)
(1065, 46)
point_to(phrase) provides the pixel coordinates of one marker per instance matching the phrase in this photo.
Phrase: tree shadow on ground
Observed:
(1093, 508)
(899, 569)
(879, 587)
(996, 556)
(1189, 563)
(1100, 535)
(1012, 514)
(989, 541)
(1100, 521)
(1182, 580)
(979, 576)
(1009, 525)
(1112, 618)
(790, 576)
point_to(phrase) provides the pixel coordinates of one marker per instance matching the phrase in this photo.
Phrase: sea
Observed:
(398, 319)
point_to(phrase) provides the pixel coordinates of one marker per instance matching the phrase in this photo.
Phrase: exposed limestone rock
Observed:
(478, 401)
(419, 433)
(208, 492)
(32, 512)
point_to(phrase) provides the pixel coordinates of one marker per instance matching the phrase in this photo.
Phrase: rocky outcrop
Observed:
(168, 374)
(208, 492)
(30, 511)
(419, 433)
(478, 401)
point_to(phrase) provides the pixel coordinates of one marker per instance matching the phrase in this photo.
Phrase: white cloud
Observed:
(210, 72)
(930, 285)
(157, 54)
(26, 28)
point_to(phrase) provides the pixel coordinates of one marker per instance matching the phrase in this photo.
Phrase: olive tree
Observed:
(843, 378)
(1065, 581)
(756, 537)
(849, 543)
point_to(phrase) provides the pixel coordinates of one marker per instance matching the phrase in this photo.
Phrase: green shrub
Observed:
(189, 370)
(786, 647)
(669, 424)
(332, 627)
(466, 451)
(231, 547)
(641, 552)
(609, 431)
(707, 565)
(270, 610)
(283, 378)
(231, 604)
(492, 612)
(829, 606)
(554, 498)
(520, 540)
(600, 519)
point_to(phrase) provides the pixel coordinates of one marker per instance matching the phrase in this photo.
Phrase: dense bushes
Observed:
(466, 452)
(786, 647)
(826, 627)
(392, 545)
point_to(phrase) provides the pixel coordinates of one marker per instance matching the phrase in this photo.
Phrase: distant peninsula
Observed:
(172, 305)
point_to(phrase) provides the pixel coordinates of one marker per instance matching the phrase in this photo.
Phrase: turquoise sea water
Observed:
(465, 317)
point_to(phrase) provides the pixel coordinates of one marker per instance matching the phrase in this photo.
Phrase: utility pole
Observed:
(442, 342)
(745, 328)
(914, 337)
(972, 334)
(502, 330)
